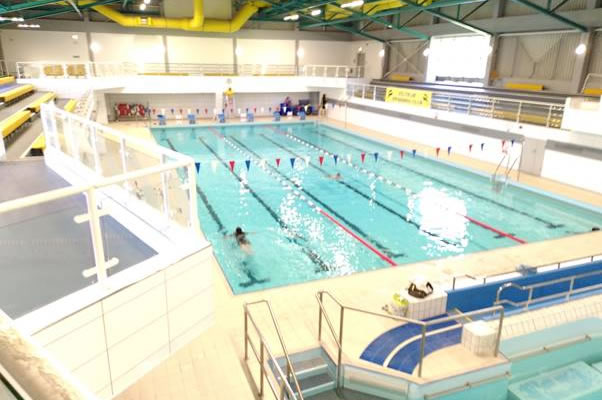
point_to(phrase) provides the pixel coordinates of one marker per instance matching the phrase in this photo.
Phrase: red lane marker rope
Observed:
(491, 228)
(359, 239)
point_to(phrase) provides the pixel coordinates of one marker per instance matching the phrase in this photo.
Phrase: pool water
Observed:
(279, 183)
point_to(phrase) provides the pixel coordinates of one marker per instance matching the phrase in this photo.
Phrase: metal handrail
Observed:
(290, 370)
(530, 288)
(554, 346)
(485, 278)
(470, 104)
(424, 325)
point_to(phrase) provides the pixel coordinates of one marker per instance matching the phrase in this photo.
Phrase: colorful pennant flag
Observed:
(321, 158)
(401, 154)
(414, 153)
(470, 147)
(482, 146)
(449, 150)
(503, 143)
(375, 157)
(512, 142)
(438, 149)
(232, 165)
(277, 162)
(293, 162)
(198, 166)
(336, 158)
(363, 156)
(248, 164)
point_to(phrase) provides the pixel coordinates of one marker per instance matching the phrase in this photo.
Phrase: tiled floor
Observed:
(212, 366)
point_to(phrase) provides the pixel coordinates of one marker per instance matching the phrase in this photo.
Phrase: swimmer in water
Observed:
(242, 240)
(336, 177)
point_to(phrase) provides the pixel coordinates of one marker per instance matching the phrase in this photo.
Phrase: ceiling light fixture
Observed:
(315, 12)
(147, 1)
(292, 17)
(580, 49)
(300, 52)
(142, 6)
(95, 47)
(28, 25)
(12, 19)
(381, 53)
(426, 52)
(74, 37)
(352, 4)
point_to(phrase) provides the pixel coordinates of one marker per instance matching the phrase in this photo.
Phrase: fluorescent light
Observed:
(580, 49)
(381, 53)
(12, 19)
(147, 1)
(142, 6)
(300, 52)
(315, 12)
(359, 49)
(238, 51)
(426, 52)
(95, 47)
(292, 17)
(28, 26)
(389, 26)
(352, 4)
(74, 37)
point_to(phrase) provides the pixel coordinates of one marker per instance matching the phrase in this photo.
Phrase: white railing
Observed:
(74, 70)
(520, 111)
(127, 176)
(592, 81)
(332, 71)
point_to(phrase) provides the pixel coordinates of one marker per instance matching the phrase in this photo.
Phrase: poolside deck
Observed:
(212, 366)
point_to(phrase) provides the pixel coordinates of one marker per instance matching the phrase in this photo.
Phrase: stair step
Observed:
(315, 384)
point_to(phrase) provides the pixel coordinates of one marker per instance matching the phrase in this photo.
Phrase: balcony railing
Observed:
(520, 111)
(58, 69)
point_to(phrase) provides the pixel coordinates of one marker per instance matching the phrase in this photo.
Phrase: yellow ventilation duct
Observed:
(197, 23)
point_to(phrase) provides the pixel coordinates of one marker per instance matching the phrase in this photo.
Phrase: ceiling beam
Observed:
(62, 10)
(552, 14)
(409, 31)
(24, 6)
(394, 11)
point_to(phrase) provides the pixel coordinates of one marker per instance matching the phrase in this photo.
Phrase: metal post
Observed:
(340, 355)
(261, 367)
(363, 91)
(246, 335)
(374, 94)
(96, 233)
(530, 298)
(97, 163)
(469, 105)
(499, 334)
(320, 317)
(192, 200)
(122, 149)
(165, 189)
(422, 342)
(492, 108)
(568, 295)
(520, 108)
(549, 116)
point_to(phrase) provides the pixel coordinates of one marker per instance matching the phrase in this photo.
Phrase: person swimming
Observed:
(242, 240)
(336, 177)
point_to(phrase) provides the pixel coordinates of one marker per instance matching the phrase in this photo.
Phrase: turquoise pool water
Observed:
(384, 210)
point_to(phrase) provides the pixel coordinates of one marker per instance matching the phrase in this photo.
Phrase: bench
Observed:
(535, 87)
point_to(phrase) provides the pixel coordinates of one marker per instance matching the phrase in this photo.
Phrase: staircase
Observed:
(314, 369)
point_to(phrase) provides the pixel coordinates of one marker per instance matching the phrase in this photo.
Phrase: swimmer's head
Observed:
(595, 229)
(238, 231)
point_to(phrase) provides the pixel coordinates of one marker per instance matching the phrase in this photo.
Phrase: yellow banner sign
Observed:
(416, 98)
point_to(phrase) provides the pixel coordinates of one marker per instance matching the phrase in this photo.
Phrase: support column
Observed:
(491, 60)
(88, 37)
(165, 54)
(582, 62)
(498, 8)
(235, 57)
(385, 60)
(296, 56)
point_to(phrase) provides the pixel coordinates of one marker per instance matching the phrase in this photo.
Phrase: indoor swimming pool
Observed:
(317, 201)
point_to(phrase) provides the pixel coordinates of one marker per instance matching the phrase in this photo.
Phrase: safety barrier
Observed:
(55, 69)
(520, 111)
(152, 183)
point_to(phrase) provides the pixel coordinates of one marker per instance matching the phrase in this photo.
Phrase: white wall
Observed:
(267, 100)
(129, 48)
(114, 342)
(186, 49)
(573, 170)
(373, 66)
(178, 102)
(325, 52)
(256, 51)
(19, 45)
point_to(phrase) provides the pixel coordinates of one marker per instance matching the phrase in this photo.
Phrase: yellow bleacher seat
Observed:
(593, 91)
(39, 143)
(76, 70)
(400, 78)
(53, 70)
(6, 80)
(15, 93)
(70, 106)
(524, 86)
(35, 106)
(12, 123)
